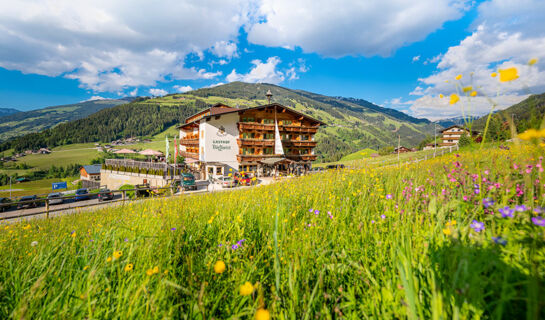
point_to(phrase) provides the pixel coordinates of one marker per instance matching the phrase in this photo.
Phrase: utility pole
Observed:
(10, 188)
(434, 139)
(398, 147)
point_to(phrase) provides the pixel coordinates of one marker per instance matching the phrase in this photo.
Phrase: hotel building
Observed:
(222, 139)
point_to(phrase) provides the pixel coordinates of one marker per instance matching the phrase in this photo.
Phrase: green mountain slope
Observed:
(7, 111)
(352, 124)
(20, 123)
(526, 114)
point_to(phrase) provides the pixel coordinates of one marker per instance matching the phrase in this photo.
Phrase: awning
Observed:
(189, 160)
(271, 161)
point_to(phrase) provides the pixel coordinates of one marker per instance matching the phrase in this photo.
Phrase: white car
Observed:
(226, 182)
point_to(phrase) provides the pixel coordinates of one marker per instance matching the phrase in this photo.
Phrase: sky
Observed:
(395, 53)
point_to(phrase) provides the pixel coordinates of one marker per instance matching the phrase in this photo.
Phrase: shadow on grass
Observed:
(482, 282)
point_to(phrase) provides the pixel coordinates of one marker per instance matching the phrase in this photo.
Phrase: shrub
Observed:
(130, 194)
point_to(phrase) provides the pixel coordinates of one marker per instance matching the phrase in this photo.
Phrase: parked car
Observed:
(5, 204)
(335, 166)
(226, 182)
(82, 194)
(188, 182)
(105, 194)
(23, 205)
(243, 179)
(55, 198)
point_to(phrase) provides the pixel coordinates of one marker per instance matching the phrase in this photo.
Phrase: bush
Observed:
(465, 140)
(130, 194)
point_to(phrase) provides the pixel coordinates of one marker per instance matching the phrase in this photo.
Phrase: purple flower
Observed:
(219, 245)
(383, 216)
(499, 240)
(476, 186)
(234, 247)
(126, 240)
(538, 210)
(477, 226)
(310, 210)
(477, 191)
(173, 229)
(506, 212)
(521, 208)
(389, 196)
(487, 202)
(317, 212)
(539, 221)
(372, 221)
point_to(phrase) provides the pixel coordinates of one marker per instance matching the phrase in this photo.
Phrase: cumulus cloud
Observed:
(491, 46)
(95, 98)
(261, 72)
(416, 58)
(225, 49)
(114, 45)
(157, 92)
(182, 89)
(349, 27)
(134, 92)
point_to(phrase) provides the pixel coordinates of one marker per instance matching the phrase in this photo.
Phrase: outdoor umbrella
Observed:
(125, 151)
(150, 153)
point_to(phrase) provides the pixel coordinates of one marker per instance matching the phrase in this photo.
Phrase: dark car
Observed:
(55, 198)
(23, 204)
(105, 194)
(188, 181)
(5, 204)
(82, 194)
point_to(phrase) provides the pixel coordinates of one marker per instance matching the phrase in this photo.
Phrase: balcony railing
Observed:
(255, 142)
(245, 126)
(192, 155)
(299, 143)
(127, 163)
(189, 142)
(260, 157)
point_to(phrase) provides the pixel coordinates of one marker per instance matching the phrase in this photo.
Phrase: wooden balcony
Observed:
(255, 142)
(299, 143)
(192, 155)
(189, 142)
(260, 157)
(254, 126)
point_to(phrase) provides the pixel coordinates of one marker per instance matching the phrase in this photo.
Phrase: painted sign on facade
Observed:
(220, 140)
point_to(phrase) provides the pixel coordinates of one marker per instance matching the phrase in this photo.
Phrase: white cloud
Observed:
(349, 27)
(134, 92)
(182, 89)
(94, 98)
(416, 58)
(261, 72)
(157, 92)
(509, 36)
(225, 49)
(114, 45)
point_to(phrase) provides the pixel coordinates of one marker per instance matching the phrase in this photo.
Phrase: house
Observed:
(90, 172)
(402, 149)
(44, 151)
(220, 139)
(451, 135)
(430, 146)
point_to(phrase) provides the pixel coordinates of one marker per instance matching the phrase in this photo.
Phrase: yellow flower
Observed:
(493, 74)
(473, 93)
(467, 89)
(508, 74)
(441, 95)
(532, 61)
(73, 234)
(155, 269)
(262, 314)
(530, 134)
(451, 223)
(458, 77)
(447, 231)
(108, 259)
(149, 272)
(219, 267)
(118, 254)
(128, 267)
(246, 289)
(85, 268)
(454, 98)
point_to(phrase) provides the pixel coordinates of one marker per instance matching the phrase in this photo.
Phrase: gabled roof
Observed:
(93, 168)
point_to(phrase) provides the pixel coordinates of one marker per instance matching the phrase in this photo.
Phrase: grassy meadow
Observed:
(456, 237)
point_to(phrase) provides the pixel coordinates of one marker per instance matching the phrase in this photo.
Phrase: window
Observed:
(247, 150)
(269, 136)
(219, 171)
(304, 137)
(210, 170)
(248, 135)
(268, 150)
(268, 121)
(287, 122)
(248, 119)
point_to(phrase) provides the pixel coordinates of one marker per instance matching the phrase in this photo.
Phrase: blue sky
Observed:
(389, 52)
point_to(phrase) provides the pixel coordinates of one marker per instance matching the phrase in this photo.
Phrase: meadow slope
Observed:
(426, 240)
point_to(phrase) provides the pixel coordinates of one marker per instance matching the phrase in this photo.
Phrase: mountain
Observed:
(7, 111)
(352, 124)
(526, 114)
(20, 123)
(461, 121)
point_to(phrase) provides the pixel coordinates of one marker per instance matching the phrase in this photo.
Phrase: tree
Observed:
(386, 150)
(465, 140)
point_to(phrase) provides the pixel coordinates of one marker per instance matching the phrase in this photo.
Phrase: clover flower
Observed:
(477, 226)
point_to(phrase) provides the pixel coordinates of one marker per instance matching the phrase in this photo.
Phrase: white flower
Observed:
(34, 243)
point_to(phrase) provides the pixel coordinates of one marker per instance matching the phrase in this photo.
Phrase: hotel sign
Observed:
(221, 145)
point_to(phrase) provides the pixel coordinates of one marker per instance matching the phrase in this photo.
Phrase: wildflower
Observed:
(372, 221)
(506, 212)
(153, 271)
(499, 240)
(85, 268)
(389, 196)
(108, 259)
(473, 93)
(508, 74)
(34, 243)
(454, 98)
(447, 231)
(487, 202)
(451, 223)
(118, 254)
(310, 210)
(493, 74)
(317, 212)
(529, 134)
(73, 234)
(246, 289)
(219, 267)
(262, 314)
(129, 267)
(458, 77)
(173, 229)
(234, 247)
(467, 89)
(538, 221)
(532, 61)
(477, 226)
(521, 208)
(383, 216)
(441, 95)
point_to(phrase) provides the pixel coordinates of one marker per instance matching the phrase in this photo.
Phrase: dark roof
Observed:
(93, 168)
(257, 108)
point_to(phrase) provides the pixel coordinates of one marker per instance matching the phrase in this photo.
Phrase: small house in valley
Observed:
(90, 172)
(451, 135)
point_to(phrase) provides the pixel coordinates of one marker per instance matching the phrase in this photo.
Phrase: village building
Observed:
(451, 135)
(402, 149)
(263, 140)
(90, 172)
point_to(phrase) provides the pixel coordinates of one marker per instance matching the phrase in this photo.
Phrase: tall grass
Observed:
(330, 245)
